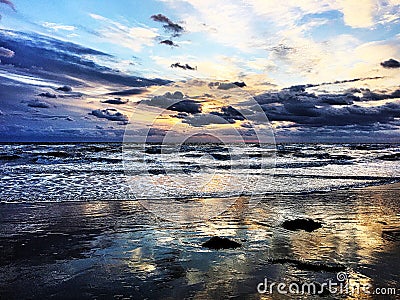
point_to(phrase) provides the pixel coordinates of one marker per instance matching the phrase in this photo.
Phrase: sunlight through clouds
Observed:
(306, 61)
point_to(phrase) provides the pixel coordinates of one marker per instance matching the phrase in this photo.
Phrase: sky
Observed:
(320, 71)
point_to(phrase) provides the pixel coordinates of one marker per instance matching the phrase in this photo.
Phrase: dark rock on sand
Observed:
(308, 225)
(315, 266)
(220, 243)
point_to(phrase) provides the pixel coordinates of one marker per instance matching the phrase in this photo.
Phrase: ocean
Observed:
(99, 221)
(107, 171)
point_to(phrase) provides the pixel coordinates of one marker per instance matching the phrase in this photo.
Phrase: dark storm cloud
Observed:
(110, 114)
(169, 43)
(306, 109)
(372, 133)
(168, 24)
(116, 101)
(240, 84)
(229, 113)
(390, 64)
(59, 60)
(175, 102)
(226, 85)
(200, 120)
(371, 95)
(184, 67)
(161, 18)
(65, 88)
(48, 95)
(129, 92)
(305, 86)
(186, 106)
(226, 115)
(156, 132)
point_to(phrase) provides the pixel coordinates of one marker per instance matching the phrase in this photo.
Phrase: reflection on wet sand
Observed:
(118, 249)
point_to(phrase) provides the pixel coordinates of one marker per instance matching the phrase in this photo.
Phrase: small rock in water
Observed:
(308, 225)
(220, 243)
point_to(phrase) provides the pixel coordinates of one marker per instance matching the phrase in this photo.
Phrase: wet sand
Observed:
(117, 249)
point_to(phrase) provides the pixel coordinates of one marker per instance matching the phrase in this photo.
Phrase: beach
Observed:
(118, 249)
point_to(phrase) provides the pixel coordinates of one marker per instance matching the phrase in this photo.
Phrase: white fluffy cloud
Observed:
(134, 38)
(282, 29)
(6, 52)
(57, 27)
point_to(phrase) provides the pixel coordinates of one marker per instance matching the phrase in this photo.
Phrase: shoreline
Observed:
(391, 185)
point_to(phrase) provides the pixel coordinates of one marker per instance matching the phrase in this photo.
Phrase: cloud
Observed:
(56, 27)
(38, 104)
(302, 87)
(228, 86)
(283, 35)
(370, 95)
(175, 28)
(48, 95)
(184, 67)
(9, 3)
(116, 101)
(200, 120)
(129, 92)
(390, 64)
(175, 102)
(216, 67)
(226, 115)
(6, 52)
(65, 88)
(230, 114)
(63, 62)
(309, 110)
(110, 114)
(161, 18)
(134, 38)
(169, 43)
(359, 13)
